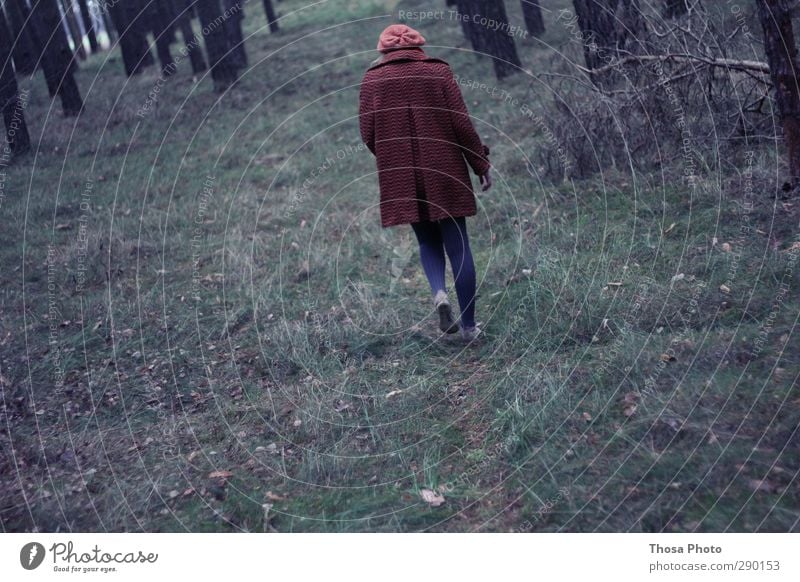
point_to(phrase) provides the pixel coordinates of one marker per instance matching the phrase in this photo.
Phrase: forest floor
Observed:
(193, 340)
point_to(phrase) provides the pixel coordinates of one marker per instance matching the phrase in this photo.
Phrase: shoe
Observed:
(447, 322)
(470, 334)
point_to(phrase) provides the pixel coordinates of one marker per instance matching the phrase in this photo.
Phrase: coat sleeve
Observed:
(366, 115)
(475, 152)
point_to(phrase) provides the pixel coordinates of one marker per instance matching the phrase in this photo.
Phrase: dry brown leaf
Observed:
(669, 228)
(587, 417)
(726, 247)
(431, 497)
(629, 403)
(724, 288)
(394, 393)
(220, 475)
(761, 485)
(667, 358)
(275, 497)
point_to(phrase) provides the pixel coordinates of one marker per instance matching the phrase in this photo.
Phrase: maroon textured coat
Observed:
(414, 119)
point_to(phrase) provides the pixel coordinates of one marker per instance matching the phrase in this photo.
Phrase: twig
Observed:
(724, 63)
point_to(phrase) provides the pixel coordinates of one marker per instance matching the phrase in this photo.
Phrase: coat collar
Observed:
(404, 54)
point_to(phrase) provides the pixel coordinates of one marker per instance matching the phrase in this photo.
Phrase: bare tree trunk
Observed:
(131, 31)
(532, 13)
(17, 136)
(495, 37)
(108, 25)
(57, 60)
(192, 43)
(159, 21)
(234, 10)
(781, 51)
(26, 48)
(272, 18)
(675, 8)
(74, 28)
(611, 29)
(466, 9)
(222, 64)
(88, 25)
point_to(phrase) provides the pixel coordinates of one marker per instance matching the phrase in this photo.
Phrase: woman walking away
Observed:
(414, 120)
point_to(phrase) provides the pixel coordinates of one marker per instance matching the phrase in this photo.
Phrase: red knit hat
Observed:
(399, 36)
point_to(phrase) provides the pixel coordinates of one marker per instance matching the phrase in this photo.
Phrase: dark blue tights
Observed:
(449, 235)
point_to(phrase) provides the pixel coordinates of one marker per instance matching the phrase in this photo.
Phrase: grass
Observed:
(258, 327)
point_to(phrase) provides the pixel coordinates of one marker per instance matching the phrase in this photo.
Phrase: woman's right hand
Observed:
(486, 181)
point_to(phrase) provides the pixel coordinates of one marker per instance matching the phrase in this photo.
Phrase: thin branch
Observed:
(743, 65)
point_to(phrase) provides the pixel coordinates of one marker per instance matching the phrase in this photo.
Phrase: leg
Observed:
(456, 243)
(431, 253)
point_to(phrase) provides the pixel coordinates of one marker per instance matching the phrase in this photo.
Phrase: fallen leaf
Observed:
(669, 228)
(678, 277)
(394, 393)
(63, 226)
(629, 403)
(220, 475)
(667, 358)
(614, 283)
(275, 497)
(726, 247)
(724, 288)
(431, 497)
(587, 417)
(761, 485)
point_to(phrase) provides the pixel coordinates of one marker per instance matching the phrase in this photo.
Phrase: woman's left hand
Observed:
(486, 181)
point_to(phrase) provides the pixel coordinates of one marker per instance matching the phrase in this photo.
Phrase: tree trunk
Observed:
(466, 9)
(610, 28)
(13, 107)
(132, 36)
(159, 21)
(108, 25)
(26, 48)
(73, 28)
(781, 51)
(192, 48)
(532, 13)
(137, 17)
(234, 10)
(88, 25)
(272, 18)
(223, 66)
(57, 60)
(493, 39)
(675, 8)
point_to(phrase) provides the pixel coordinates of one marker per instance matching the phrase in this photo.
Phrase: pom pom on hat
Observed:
(399, 36)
